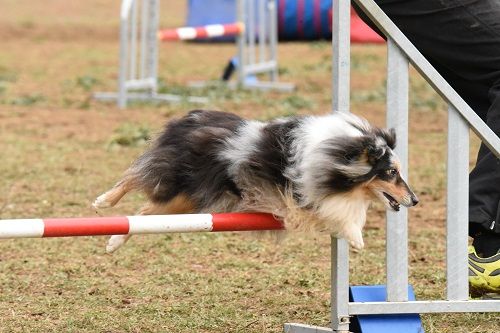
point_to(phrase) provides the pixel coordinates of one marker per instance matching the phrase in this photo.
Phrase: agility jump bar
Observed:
(207, 31)
(133, 225)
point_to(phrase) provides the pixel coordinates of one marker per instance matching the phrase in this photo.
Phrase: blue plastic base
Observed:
(394, 323)
(249, 79)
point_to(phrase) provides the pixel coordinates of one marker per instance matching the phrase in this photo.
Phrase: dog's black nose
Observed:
(414, 200)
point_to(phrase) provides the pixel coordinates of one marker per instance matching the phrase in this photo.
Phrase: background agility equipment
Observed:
(138, 69)
(297, 19)
(203, 32)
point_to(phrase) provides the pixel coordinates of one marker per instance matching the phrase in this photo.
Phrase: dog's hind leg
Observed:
(111, 197)
(180, 204)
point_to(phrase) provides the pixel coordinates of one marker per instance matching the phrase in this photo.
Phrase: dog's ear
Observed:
(389, 136)
(375, 149)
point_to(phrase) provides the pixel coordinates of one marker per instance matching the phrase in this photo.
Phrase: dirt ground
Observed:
(60, 149)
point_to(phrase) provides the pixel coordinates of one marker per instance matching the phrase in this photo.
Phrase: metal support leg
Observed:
(250, 31)
(397, 222)
(341, 44)
(122, 76)
(241, 41)
(143, 38)
(273, 39)
(152, 41)
(457, 207)
(262, 18)
(133, 41)
(340, 285)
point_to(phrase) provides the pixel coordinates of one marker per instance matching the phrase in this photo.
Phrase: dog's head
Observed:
(368, 162)
(386, 182)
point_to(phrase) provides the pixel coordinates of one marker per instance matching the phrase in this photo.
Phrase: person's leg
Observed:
(484, 207)
(461, 38)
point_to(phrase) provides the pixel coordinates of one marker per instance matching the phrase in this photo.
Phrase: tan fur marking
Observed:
(112, 196)
(116, 193)
(397, 165)
(398, 192)
(178, 205)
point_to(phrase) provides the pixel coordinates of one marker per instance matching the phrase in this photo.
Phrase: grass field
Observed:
(60, 149)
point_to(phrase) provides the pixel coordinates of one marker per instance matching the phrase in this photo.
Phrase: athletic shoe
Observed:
(484, 273)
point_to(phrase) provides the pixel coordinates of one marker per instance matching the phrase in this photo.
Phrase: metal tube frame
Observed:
(257, 47)
(138, 69)
(341, 64)
(457, 219)
(460, 117)
(397, 223)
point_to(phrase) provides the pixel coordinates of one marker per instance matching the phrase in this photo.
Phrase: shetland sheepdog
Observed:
(315, 172)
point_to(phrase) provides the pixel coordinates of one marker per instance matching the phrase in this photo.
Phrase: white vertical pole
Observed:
(340, 93)
(457, 207)
(250, 25)
(341, 34)
(124, 54)
(262, 28)
(397, 222)
(241, 41)
(153, 23)
(144, 35)
(340, 285)
(133, 42)
(273, 37)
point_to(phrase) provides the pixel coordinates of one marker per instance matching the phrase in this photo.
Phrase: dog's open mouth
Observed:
(392, 202)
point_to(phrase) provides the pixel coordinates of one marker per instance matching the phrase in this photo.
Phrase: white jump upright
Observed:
(138, 69)
(460, 118)
(257, 40)
(258, 45)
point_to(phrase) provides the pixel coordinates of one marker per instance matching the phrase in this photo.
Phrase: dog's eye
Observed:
(392, 172)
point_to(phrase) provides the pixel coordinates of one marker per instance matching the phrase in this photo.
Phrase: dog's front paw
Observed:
(355, 238)
(115, 242)
(357, 245)
(101, 202)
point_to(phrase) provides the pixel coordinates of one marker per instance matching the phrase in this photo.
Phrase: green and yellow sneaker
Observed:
(484, 273)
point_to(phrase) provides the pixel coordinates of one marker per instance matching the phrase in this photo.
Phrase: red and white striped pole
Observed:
(132, 225)
(207, 31)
